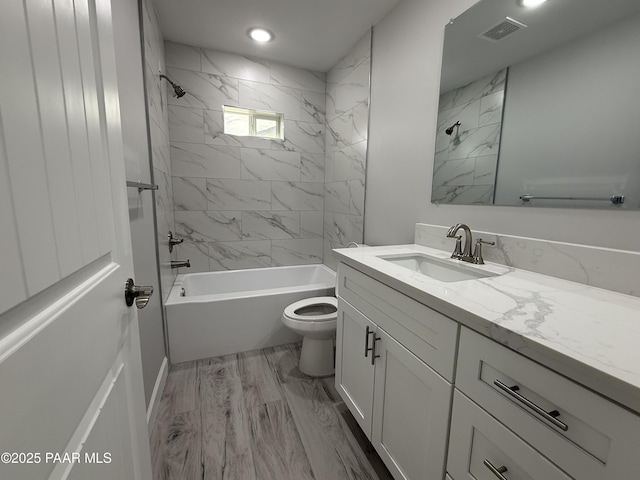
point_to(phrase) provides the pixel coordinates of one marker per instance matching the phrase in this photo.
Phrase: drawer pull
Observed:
(498, 472)
(548, 416)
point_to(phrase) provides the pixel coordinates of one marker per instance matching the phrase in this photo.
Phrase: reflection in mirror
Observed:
(549, 111)
(467, 153)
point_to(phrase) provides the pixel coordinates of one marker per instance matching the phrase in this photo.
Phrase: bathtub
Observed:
(235, 311)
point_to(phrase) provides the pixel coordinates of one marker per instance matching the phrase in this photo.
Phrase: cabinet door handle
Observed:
(498, 472)
(548, 416)
(373, 349)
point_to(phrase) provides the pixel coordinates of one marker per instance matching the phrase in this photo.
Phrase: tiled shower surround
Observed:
(346, 148)
(466, 161)
(159, 129)
(243, 202)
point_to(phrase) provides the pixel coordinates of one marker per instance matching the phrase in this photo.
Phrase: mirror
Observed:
(540, 106)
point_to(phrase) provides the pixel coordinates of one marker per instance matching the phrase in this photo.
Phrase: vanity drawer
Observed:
(478, 442)
(588, 436)
(429, 335)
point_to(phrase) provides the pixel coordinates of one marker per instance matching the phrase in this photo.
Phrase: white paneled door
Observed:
(71, 396)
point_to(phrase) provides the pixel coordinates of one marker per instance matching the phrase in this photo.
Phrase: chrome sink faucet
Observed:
(458, 252)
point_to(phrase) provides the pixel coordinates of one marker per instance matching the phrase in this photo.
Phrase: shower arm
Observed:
(162, 75)
(177, 89)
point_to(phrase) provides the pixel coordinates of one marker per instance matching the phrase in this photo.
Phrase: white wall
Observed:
(407, 49)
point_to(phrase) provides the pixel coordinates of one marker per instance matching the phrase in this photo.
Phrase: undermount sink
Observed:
(441, 269)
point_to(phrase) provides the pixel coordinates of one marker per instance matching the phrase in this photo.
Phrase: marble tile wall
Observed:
(607, 268)
(159, 129)
(465, 162)
(346, 148)
(245, 202)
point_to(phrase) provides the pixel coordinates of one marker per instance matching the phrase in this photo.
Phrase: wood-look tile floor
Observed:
(255, 416)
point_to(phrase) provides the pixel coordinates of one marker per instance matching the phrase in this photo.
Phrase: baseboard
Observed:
(157, 393)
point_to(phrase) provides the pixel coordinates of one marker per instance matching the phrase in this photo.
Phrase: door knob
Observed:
(140, 294)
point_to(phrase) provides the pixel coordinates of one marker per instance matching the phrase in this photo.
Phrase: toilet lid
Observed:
(296, 310)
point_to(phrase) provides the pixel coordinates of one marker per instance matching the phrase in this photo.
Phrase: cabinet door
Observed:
(354, 370)
(411, 413)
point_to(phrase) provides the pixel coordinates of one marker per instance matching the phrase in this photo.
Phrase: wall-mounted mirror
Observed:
(541, 106)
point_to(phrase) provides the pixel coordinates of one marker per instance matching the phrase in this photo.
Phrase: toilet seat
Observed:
(290, 311)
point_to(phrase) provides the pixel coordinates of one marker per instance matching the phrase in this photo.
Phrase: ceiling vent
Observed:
(505, 28)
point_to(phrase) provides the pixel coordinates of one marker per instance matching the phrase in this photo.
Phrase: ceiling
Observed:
(312, 34)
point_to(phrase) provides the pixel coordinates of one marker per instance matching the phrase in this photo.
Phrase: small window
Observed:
(253, 123)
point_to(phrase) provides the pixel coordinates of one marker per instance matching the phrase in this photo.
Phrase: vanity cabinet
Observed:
(399, 401)
(508, 417)
(579, 431)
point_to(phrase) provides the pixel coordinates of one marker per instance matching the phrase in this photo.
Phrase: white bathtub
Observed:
(239, 310)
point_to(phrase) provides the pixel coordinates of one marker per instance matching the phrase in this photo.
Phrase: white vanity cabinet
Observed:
(401, 403)
(508, 417)
(517, 414)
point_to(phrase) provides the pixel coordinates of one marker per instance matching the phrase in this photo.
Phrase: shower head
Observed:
(449, 130)
(179, 91)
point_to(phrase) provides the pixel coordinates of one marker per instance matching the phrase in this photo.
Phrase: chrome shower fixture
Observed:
(449, 130)
(179, 91)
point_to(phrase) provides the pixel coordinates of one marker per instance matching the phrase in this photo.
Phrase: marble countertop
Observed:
(588, 334)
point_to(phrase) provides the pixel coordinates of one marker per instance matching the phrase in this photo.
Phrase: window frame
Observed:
(253, 116)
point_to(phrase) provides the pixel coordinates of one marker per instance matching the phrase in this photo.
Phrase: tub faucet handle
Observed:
(173, 241)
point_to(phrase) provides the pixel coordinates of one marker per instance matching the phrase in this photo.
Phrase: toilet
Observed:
(315, 319)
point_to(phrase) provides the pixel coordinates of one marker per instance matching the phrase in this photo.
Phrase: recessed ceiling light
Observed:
(532, 3)
(260, 35)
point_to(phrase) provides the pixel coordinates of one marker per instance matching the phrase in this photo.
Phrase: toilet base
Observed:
(317, 357)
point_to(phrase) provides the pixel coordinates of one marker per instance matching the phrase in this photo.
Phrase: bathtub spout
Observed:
(180, 264)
